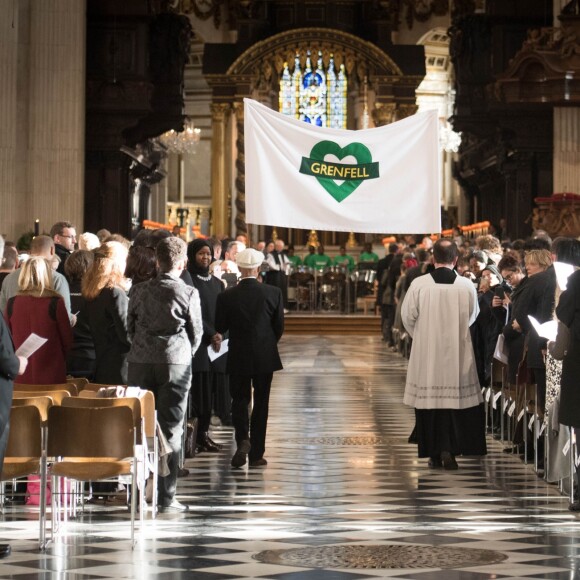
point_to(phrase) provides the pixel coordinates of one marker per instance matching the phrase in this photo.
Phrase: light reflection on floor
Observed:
(340, 472)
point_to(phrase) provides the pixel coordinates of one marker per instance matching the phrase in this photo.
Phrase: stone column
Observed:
(10, 213)
(566, 150)
(42, 66)
(56, 146)
(219, 193)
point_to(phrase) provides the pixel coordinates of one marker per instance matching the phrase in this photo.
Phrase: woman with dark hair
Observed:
(81, 359)
(150, 239)
(141, 265)
(40, 309)
(104, 289)
(199, 255)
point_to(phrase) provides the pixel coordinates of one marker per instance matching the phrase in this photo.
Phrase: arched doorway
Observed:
(387, 82)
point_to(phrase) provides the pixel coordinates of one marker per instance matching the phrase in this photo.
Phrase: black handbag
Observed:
(191, 438)
(560, 346)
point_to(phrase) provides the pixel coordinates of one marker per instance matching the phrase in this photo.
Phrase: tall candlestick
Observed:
(36, 227)
(181, 184)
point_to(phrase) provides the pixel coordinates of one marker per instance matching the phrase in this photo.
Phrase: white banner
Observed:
(383, 180)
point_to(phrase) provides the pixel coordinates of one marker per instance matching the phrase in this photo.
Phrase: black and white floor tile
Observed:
(340, 472)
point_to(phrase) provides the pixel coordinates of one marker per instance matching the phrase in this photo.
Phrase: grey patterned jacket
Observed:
(164, 321)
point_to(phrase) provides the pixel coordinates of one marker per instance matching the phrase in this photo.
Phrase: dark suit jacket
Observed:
(107, 315)
(382, 266)
(253, 313)
(537, 300)
(9, 365)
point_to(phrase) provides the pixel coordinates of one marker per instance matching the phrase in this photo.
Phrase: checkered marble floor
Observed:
(340, 472)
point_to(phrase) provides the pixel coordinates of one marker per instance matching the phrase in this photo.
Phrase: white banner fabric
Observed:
(382, 180)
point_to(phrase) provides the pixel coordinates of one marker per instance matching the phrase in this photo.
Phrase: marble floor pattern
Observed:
(340, 472)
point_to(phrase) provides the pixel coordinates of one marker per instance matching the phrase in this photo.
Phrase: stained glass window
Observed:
(314, 95)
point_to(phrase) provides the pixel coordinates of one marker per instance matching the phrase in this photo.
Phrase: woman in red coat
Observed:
(38, 308)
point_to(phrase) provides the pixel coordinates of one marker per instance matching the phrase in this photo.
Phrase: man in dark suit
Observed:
(10, 366)
(253, 314)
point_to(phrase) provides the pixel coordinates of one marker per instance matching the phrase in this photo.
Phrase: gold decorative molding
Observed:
(560, 218)
(384, 113)
(423, 10)
(406, 110)
(202, 9)
(546, 68)
(219, 111)
(269, 55)
(238, 110)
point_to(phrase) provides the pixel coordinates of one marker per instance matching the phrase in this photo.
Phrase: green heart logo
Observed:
(327, 172)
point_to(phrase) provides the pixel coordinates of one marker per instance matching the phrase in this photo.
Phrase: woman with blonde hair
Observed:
(104, 290)
(537, 300)
(537, 261)
(38, 308)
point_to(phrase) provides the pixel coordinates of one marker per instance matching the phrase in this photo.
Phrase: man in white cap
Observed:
(253, 314)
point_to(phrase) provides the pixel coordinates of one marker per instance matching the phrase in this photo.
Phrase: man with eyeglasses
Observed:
(64, 236)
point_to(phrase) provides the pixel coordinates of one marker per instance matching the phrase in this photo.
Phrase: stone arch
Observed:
(392, 80)
(358, 56)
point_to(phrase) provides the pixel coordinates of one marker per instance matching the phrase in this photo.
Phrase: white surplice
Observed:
(442, 373)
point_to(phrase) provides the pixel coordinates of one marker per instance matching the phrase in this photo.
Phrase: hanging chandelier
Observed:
(184, 142)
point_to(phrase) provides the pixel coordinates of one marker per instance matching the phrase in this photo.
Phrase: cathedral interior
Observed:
(129, 114)
(91, 87)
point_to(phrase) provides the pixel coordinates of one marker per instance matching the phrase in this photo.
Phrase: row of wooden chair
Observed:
(97, 437)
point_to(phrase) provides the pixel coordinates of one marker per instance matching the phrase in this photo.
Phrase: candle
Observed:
(36, 227)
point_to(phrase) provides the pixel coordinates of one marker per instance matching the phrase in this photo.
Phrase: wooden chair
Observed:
(96, 402)
(25, 455)
(145, 418)
(97, 386)
(90, 444)
(149, 415)
(56, 396)
(72, 389)
(41, 402)
(78, 382)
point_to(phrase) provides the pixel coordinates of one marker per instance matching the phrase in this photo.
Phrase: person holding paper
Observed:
(10, 366)
(537, 300)
(39, 309)
(199, 255)
(442, 383)
(253, 313)
(566, 259)
(568, 312)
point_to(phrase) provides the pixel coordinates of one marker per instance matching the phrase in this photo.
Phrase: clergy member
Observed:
(442, 383)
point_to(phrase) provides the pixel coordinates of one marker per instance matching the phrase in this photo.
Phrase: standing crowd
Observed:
(471, 311)
(198, 325)
(155, 314)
